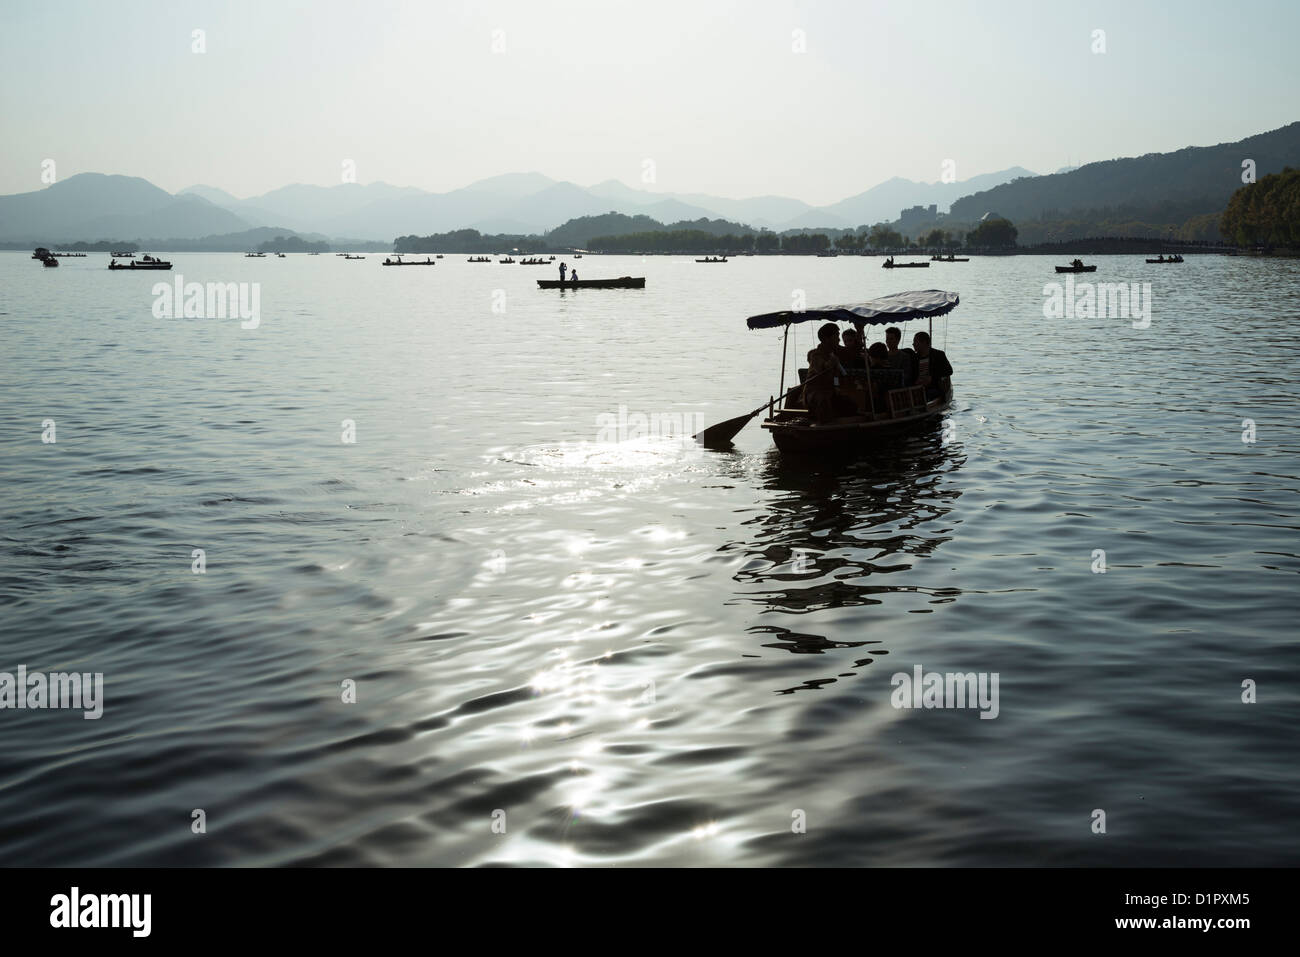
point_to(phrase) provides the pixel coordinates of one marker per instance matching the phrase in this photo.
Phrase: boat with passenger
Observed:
(1076, 266)
(910, 393)
(623, 282)
(145, 262)
(712, 259)
(1162, 259)
(400, 262)
(890, 264)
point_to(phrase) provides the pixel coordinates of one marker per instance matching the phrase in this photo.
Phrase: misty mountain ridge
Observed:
(90, 206)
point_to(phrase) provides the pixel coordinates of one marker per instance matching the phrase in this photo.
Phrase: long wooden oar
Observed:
(719, 436)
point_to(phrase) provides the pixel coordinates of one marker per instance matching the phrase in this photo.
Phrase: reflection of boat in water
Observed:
(901, 409)
(843, 536)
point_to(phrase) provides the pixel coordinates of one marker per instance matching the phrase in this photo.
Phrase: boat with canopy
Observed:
(792, 426)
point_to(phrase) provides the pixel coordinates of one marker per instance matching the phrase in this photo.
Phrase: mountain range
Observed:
(1144, 195)
(94, 206)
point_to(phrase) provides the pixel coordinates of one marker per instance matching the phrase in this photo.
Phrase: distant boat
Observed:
(505, 261)
(577, 255)
(350, 256)
(41, 253)
(254, 255)
(949, 259)
(1076, 267)
(1171, 259)
(69, 255)
(148, 262)
(123, 255)
(533, 262)
(478, 259)
(890, 264)
(827, 255)
(439, 256)
(398, 262)
(712, 259)
(280, 255)
(49, 261)
(625, 282)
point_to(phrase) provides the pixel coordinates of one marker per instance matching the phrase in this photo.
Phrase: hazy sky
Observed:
(712, 92)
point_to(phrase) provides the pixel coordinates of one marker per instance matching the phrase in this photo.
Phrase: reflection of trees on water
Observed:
(836, 535)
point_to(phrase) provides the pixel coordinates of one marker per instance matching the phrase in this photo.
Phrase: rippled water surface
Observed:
(640, 652)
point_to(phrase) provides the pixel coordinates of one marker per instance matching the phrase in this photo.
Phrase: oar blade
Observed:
(719, 436)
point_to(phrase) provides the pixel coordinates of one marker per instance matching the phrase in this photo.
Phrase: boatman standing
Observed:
(563, 268)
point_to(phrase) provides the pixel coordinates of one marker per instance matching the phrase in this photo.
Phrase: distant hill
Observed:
(96, 206)
(883, 203)
(1155, 189)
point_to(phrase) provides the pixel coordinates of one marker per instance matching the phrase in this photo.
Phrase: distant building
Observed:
(917, 215)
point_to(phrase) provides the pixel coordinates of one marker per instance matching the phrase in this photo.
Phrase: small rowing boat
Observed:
(712, 259)
(1171, 259)
(889, 264)
(624, 282)
(949, 259)
(1079, 268)
(398, 262)
(148, 262)
(902, 409)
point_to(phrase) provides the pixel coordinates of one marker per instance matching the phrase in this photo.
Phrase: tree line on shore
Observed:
(1266, 213)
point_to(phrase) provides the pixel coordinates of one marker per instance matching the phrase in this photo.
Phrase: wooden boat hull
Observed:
(904, 265)
(50, 262)
(409, 264)
(1162, 262)
(625, 282)
(797, 436)
(140, 266)
(959, 259)
(1076, 268)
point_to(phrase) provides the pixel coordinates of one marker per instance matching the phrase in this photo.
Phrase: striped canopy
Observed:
(900, 307)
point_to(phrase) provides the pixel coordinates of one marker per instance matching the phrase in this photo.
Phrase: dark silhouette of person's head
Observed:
(921, 343)
(893, 335)
(829, 334)
(878, 353)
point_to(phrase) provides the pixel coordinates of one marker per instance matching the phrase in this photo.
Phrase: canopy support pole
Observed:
(784, 340)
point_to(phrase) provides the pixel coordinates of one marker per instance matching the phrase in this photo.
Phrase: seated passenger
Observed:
(902, 359)
(935, 370)
(850, 354)
(824, 370)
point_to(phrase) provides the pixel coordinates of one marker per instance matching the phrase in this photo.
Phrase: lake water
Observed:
(573, 650)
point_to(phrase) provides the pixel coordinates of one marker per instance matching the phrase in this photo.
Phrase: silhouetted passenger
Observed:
(902, 359)
(934, 369)
(824, 369)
